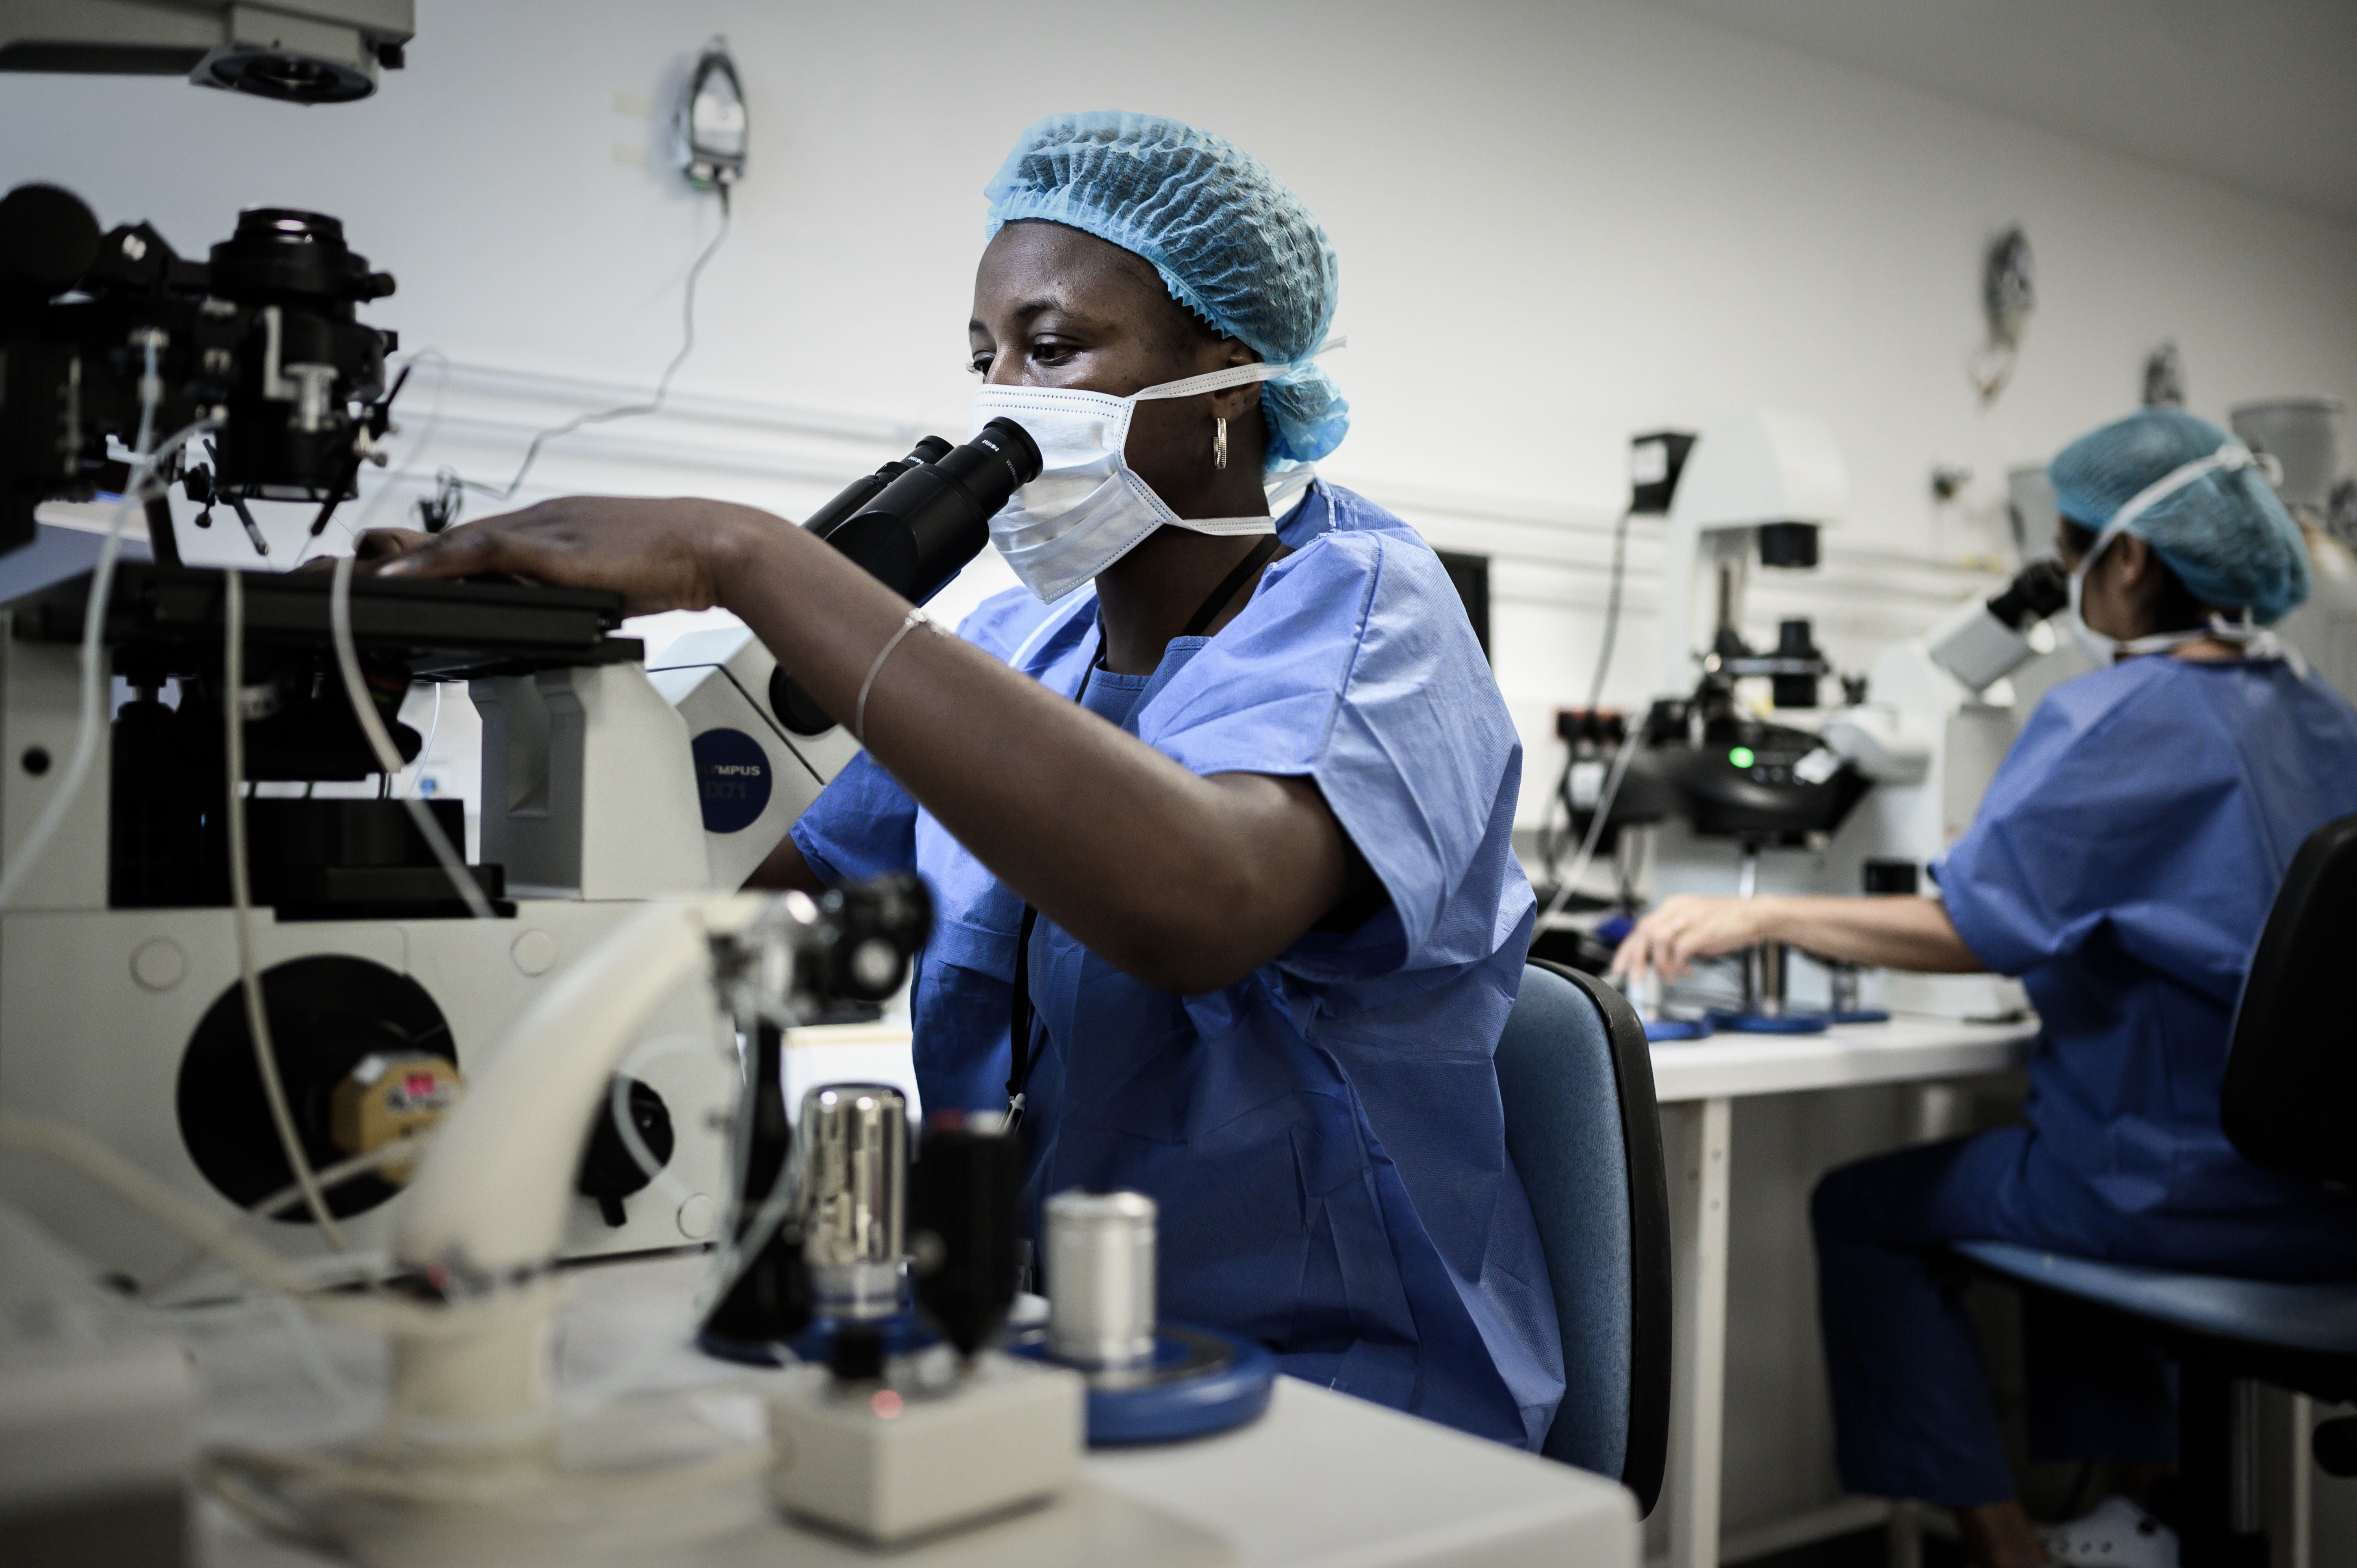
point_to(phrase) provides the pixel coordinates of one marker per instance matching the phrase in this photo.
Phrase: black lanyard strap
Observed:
(1244, 572)
(1025, 1039)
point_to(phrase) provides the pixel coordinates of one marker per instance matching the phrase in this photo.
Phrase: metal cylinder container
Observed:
(1842, 987)
(1101, 1279)
(854, 1139)
(1764, 965)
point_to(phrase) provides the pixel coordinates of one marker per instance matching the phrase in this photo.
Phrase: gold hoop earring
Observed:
(1218, 444)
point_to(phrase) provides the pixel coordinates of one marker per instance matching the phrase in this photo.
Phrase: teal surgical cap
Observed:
(1232, 245)
(2225, 535)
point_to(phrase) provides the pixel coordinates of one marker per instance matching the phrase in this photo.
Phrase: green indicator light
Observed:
(1741, 756)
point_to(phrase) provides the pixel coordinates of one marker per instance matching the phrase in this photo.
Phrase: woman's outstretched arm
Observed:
(1901, 931)
(1187, 883)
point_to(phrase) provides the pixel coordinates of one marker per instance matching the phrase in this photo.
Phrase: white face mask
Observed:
(1087, 509)
(2104, 648)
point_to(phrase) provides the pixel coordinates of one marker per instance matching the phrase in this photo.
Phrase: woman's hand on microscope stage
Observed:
(658, 555)
(1689, 927)
(1891, 931)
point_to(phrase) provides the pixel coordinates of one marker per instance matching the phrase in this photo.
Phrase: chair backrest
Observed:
(2291, 1077)
(1576, 1080)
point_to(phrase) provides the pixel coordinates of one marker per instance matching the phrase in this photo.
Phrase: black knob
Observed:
(1892, 876)
(2335, 1445)
(610, 1169)
(48, 240)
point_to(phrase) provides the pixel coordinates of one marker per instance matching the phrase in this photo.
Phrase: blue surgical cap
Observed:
(2225, 535)
(1232, 244)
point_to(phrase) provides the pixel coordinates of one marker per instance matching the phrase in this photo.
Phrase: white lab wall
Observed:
(1559, 224)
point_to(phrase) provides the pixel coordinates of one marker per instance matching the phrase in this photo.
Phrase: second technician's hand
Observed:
(1689, 927)
(1892, 931)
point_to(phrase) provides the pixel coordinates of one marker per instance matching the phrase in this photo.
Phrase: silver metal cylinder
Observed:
(1101, 1278)
(1842, 987)
(2244, 1500)
(853, 1140)
(1763, 979)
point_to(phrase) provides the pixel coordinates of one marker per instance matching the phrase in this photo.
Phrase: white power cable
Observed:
(330, 1177)
(1620, 761)
(626, 411)
(74, 1147)
(347, 661)
(241, 897)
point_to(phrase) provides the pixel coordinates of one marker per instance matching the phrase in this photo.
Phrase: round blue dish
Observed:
(1200, 1382)
(1678, 1028)
(1760, 1023)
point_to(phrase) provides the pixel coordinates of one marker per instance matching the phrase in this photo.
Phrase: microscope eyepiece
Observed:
(866, 489)
(2038, 591)
(921, 528)
(914, 523)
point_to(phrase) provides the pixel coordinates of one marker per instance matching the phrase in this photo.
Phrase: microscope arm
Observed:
(493, 1189)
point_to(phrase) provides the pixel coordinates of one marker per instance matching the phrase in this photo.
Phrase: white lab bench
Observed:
(1322, 1478)
(1697, 1082)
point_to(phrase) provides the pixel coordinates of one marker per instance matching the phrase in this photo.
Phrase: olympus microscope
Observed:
(386, 970)
(1869, 789)
(1722, 753)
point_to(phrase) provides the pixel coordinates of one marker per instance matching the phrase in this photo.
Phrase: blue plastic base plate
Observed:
(903, 1335)
(1863, 1015)
(1783, 1024)
(1678, 1028)
(1200, 1382)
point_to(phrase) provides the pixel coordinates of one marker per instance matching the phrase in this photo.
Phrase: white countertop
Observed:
(1909, 1048)
(1905, 1049)
(1322, 1478)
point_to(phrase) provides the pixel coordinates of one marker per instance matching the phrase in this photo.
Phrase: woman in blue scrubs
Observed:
(1228, 785)
(2122, 865)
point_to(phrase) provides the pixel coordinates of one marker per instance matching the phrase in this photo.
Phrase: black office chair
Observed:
(1577, 1081)
(2290, 1090)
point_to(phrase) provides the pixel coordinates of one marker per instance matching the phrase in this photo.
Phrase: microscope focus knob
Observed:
(386, 1097)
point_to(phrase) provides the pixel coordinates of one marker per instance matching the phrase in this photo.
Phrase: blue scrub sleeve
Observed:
(2109, 815)
(1354, 666)
(862, 824)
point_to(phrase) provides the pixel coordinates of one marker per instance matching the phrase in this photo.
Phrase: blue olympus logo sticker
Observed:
(732, 773)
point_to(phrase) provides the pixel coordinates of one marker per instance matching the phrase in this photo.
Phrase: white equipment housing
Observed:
(1758, 468)
(1979, 649)
(1945, 743)
(719, 684)
(590, 798)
